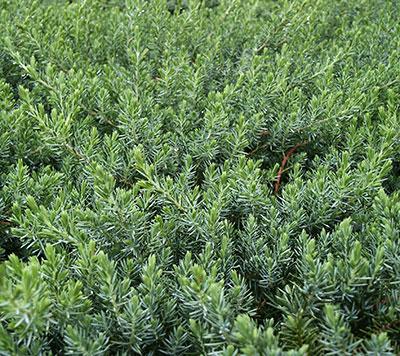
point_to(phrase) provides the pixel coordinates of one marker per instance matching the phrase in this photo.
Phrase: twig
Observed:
(263, 133)
(388, 326)
(5, 222)
(74, 151)
(261, 304)
(253, 152)
(283, 164)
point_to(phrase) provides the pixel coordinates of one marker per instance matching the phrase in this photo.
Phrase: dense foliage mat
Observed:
(199, 177)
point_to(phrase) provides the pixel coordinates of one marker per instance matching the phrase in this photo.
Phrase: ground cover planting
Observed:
(199, 177)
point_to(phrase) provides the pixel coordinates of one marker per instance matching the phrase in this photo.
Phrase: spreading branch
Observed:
(283, 164)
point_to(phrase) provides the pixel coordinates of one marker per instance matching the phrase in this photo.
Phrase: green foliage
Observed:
(140, 143)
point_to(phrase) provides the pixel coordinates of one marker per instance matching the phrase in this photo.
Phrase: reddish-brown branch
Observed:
(391, 325)
(283, 164)
(5, 222)
(260, 306)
